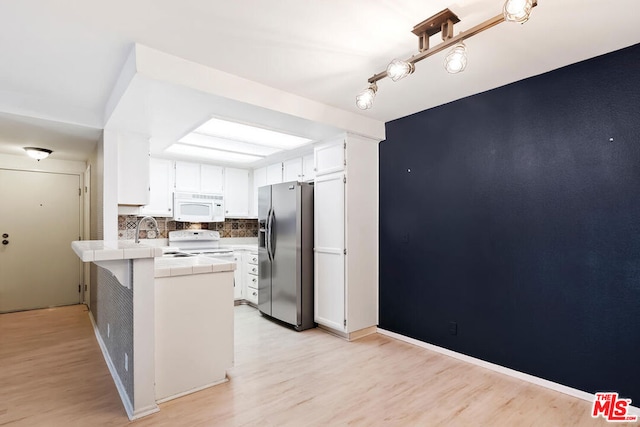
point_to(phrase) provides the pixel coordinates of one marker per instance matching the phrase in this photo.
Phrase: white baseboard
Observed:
(128, 407)
(633, 410)
(194, 390)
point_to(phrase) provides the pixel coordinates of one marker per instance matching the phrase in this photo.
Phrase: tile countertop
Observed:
(101, 250)
(168, 267)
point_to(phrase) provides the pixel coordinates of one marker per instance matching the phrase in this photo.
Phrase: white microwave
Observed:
(198, 207)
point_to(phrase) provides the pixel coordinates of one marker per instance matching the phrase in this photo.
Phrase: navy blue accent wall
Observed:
(510, 225)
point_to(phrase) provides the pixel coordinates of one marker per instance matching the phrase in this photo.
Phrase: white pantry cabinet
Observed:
(199, 178)
(236, 193)
(160, 189)
(346, 235)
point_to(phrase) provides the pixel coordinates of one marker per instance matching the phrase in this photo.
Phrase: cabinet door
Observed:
(329, 158)
(187, 177)
(329, 258)
(236, 199)
(160, 189)
(274, 173)
(292, 170)
(259, 179)
(308, 171)
(238, 277)
(211, 179)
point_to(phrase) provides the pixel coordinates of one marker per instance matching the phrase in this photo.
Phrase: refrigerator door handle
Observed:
(268, 237)
(272, 221)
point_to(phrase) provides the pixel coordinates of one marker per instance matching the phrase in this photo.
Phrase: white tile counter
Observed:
(166, 267)
(101, 250)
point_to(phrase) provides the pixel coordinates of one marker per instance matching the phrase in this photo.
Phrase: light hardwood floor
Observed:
(52, 374)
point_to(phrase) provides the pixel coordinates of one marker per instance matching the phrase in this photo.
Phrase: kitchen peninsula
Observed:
(134, 307)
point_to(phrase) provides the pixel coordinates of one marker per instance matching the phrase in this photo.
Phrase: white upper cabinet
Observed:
(292, 170)
(133, 169)
(308, 168)
(199, 178)
(160, 189)
(330, 158)
(236, 195)
(187, 177)
(211, 179)
(274, 173)
(259, 180)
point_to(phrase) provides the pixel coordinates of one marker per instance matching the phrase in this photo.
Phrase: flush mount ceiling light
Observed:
(37, 153)
(456, 60)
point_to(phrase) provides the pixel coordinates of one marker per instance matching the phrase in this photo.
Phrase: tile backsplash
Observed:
(228, 228)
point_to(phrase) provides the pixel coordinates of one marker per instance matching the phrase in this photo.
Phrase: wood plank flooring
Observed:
(52, 374)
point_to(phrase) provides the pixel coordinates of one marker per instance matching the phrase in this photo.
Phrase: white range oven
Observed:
(184, 243)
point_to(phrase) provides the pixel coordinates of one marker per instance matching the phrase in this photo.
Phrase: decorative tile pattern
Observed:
(228, 228)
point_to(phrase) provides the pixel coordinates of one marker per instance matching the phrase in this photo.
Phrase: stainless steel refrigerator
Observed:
(285, 253)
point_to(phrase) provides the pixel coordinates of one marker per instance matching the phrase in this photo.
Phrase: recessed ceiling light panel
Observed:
(210, 154)
(251, 134)
(207, 141)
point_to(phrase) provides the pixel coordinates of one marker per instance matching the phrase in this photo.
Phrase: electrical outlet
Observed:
(108, 330)
(453, 328)
(126, 362)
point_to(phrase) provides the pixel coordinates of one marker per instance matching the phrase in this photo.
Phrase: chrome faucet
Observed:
(155, 224)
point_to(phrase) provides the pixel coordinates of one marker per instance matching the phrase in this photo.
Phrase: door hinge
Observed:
(345, 323)
(344, 179)
(79, 192)
(345, 144)
(85, 288)
(79, 288)
(345, 251)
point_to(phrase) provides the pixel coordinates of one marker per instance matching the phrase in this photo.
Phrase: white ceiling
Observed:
(60, 60)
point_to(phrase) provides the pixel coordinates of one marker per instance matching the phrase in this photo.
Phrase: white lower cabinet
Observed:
(346, 236)
(251, 276)
(238, 277)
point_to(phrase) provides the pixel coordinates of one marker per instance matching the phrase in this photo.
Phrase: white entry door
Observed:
(39, 218)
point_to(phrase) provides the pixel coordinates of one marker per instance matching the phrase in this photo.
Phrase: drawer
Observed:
(252, 258)
(252, 281)
(252, 269)
(252, 295)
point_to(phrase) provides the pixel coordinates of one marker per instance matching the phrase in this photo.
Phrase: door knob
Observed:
(5, 242)
(5, 235)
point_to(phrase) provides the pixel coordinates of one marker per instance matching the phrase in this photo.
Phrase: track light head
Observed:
(517, 10)
(456, 59)
(364, 100)
(398, 69)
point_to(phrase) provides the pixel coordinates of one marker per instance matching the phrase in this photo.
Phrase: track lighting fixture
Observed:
(456, 59)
